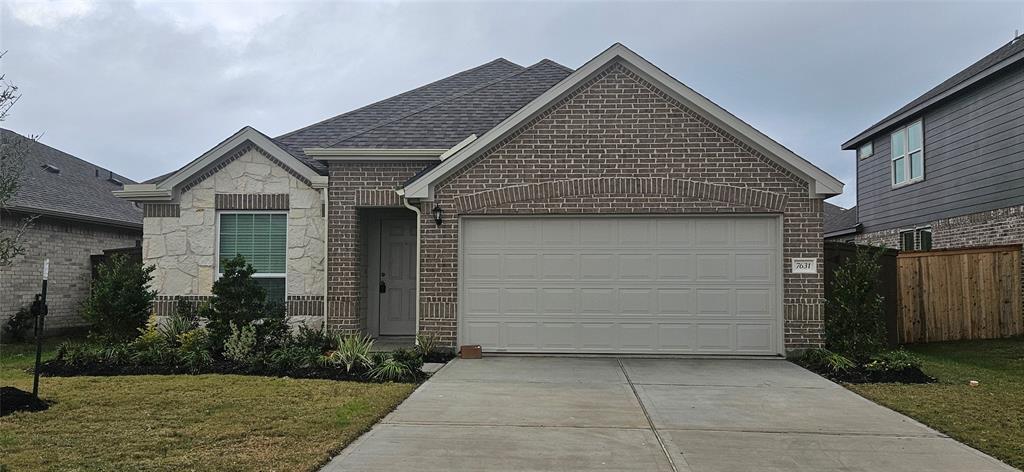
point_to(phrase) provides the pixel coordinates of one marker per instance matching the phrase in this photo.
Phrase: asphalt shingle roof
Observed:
(838, 218)
(437, 115)
(995, 57)
(80, 190)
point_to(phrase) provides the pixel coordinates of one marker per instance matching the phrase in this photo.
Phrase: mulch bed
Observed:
(860, 375)
(13, 399)
(56, 368)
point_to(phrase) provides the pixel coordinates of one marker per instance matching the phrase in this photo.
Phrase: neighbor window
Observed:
(261, 238)
(866, 150)
(907, 240)
(908, 154)
(924, 239)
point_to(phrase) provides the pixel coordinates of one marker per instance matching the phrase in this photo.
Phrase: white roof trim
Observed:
(821, 183)
(458, 147)
(250, 134)
(143, 193)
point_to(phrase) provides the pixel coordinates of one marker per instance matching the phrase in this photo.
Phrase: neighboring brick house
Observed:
(945, 170)
(76, 217)
(526, 209)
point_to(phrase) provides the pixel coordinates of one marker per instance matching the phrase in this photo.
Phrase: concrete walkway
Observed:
(558, 414)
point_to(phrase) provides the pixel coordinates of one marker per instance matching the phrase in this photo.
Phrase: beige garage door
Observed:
(693, 285)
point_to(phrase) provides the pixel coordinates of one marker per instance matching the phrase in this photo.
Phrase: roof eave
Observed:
(76, 217)
(856, 141)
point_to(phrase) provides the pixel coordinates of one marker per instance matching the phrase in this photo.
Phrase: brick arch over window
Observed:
(619, 185)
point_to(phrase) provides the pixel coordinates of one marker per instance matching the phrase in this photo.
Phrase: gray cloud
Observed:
(142, 88)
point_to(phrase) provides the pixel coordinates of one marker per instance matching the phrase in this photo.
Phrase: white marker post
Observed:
(40, 312)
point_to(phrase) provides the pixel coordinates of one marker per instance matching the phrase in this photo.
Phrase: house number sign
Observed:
(805, 265)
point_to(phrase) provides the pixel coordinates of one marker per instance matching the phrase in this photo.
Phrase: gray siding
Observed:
(974, 159)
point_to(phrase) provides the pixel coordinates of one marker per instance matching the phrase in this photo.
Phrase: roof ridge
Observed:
(439, 102)
(67, 154)
(500, 60)
(549, 61)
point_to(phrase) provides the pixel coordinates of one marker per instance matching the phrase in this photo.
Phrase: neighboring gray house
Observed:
(840, 223)
(947, 169)
(77, 216)
(607, 209)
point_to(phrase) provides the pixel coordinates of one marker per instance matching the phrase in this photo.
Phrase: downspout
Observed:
(415, 209)
(324, 195)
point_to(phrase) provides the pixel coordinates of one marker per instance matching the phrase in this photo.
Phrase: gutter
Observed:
(327, 223)
(419, 223)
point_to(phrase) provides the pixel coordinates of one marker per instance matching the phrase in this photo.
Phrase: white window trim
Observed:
(900, 238)
(906, 155)
(915, 233)
(870, 145)
(258, 275)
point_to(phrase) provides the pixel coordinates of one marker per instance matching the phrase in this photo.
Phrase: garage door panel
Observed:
(622, 284)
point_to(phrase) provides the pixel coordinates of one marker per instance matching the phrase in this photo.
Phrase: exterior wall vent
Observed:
(51, 168)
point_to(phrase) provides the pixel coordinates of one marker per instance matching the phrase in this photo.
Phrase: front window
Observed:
(261, 238)
(919, 239)
(907, 145)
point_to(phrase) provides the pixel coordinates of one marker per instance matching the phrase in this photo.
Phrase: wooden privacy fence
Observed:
(954, 294)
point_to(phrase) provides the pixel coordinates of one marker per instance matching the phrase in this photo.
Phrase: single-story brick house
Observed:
(607, 209)
(76, 216)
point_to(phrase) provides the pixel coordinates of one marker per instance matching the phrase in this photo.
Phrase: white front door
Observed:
(693, 285)
(397, 279)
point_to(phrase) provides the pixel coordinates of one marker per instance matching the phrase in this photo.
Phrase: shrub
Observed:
(151, 347)
(272, 330)
(240, 346)
(120, 301)
(314, 338)
(893, 361)
(426, 344)
(352, 352)
(180, 322)
(825, 360)
(388, 369)
(410, 357)
(854, 323)
(284, 359)
(18, 324)
(237, 298)
(92, 352)
(194, 349)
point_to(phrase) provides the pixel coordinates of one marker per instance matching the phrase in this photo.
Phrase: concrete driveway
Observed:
(559, 413)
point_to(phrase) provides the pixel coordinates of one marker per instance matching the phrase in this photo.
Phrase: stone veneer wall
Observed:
(1004, 226)
(183, 247)
(620, 146)
(68, 245)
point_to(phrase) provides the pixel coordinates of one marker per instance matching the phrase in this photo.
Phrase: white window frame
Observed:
(906, 155)
(866, 150)
(258, 275)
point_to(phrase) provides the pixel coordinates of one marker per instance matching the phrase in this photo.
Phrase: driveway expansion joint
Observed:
(650, 422)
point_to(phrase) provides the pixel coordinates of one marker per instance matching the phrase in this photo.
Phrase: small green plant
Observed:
(388, 369)
(893, 361)
(151, 347)
(237, 298)
(120, 299)
(823, 359)
(410, 357)
(18, 325)
(314, 338)
(854, 317)
(180, 322)
(240, 346)
(194, 349)
(284, 359)
(426, 344)
(352, 352)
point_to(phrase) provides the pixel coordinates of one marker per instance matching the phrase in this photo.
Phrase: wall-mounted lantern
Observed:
(438, 213)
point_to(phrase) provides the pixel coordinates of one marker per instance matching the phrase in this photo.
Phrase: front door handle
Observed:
(383, 288)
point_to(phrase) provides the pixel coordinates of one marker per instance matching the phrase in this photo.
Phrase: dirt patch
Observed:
(13, 399)
(860, 375)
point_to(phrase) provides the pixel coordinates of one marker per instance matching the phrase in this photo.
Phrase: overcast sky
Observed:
(144, 87)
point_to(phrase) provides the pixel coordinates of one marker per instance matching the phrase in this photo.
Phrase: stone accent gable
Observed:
(251, 201)
(618, 145)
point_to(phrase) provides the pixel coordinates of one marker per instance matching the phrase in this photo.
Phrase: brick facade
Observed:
(617, 145)
(68, 245)
(356, 185)
(988, 228)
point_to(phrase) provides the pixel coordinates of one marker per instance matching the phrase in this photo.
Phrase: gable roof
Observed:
(79, 191)
(839, 221)
(820, 182)
(995, 61)
(438, 115)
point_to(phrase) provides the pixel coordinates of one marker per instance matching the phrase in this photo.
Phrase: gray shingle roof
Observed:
(80, 190)
(839, 219)
(984, 64)
(437, 115)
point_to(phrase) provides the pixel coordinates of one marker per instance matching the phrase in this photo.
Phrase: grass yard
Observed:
(989, 417)
(205, 422)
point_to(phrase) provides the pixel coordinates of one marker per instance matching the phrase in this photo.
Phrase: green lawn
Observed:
(178, 422)
(989, 417)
